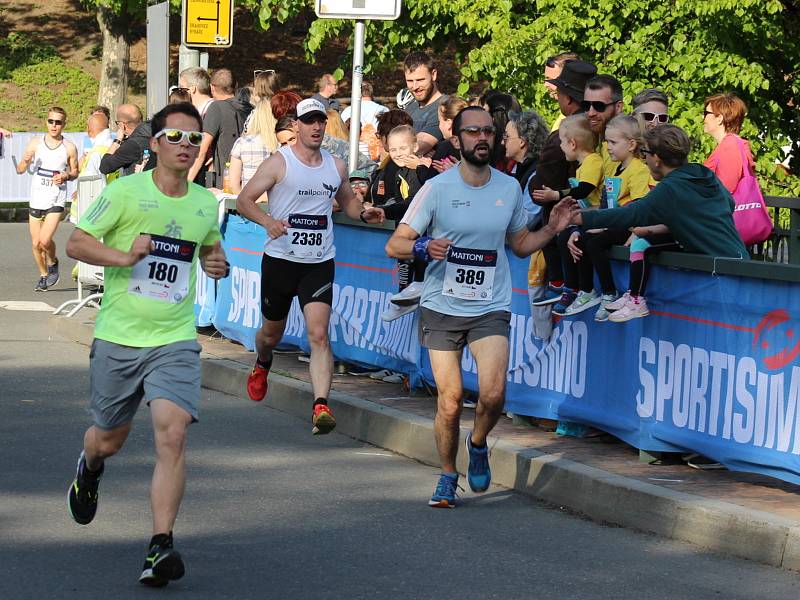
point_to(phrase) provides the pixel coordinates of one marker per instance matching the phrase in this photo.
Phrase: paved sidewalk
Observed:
(745, 515)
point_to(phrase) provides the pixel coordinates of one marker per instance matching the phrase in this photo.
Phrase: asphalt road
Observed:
(274, 512)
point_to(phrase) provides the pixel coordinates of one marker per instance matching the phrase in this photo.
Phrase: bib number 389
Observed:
(164, 274)
(469, 273)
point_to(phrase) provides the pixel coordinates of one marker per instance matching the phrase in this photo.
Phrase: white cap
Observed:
(310, 106)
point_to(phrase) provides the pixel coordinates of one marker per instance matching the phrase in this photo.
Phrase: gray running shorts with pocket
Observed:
(121, 376)
(438, 331)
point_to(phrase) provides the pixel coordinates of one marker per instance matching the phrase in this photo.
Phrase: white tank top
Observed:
(304, 197)
(48, 162)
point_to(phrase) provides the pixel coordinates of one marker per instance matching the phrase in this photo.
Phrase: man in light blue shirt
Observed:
(469, 212)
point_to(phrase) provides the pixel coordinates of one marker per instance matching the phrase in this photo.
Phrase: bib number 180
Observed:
(162, 272)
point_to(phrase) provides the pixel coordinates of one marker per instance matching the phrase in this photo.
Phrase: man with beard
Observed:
(470, 212)
(302, 181)
(420, 73)
(602, 101)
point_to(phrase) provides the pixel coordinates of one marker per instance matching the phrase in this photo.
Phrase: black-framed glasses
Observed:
(476, 130)
(176, 136)
(551, 62)
(55, 122)
(708, 112)
(597, 105)
(650, 117)
(258, 72)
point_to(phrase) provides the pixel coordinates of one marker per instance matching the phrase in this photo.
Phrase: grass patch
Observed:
(18, 50)
(51, 82)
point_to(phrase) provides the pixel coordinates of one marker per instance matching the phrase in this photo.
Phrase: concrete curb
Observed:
(597, 494)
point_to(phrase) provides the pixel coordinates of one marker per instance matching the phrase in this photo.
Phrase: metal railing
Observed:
(783, 246)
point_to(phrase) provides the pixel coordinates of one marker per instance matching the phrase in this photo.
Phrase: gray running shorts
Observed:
(438, 331)
(121, 376)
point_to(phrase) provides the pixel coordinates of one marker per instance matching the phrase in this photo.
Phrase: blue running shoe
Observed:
(445, 494)
(552, 294)
(479, 475)
(567, 298)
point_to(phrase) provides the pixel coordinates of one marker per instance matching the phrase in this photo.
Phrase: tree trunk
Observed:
(116, 60)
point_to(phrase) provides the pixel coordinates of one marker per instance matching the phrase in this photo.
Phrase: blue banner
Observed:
(713, 369)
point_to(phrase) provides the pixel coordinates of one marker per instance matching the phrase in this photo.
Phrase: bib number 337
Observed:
(469, 273)
(164, 274)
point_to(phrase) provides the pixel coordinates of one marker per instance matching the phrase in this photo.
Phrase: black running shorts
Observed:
(282, 280)
(40, 213)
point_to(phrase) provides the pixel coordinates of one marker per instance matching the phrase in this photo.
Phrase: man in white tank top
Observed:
(302, 182)
(55, 162)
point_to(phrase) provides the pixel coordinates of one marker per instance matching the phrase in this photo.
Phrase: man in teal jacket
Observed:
(689, 200)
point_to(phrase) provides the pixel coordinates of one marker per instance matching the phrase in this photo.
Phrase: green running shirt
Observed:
(152, 303)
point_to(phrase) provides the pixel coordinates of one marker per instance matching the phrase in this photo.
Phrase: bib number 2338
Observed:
(469, 273)
(307, 235)
(164, 273)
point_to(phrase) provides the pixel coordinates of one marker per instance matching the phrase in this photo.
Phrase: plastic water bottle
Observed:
(226, 178)
(145, 157)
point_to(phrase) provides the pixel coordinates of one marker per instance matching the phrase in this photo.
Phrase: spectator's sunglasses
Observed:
(55, 122)
(476, 130)
(596, 105)
(258, 72)
(650, 117)
(176, 136)
(177, 88)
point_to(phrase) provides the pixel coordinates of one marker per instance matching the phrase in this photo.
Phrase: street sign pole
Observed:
(157, 56)
(361, 11)
(355, 94)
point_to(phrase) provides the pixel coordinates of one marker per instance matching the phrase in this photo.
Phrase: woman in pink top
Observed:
(722, 120)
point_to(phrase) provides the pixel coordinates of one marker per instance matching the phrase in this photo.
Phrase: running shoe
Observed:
(394, 378)
(322, 420)
(445, 494)
(619, 302)
(52, 275)
(257, 383)
(162, 564)
(357, 371)
(583, 301)
(409, 295)
(567, 298)
(41, 285)
(82, 494)
(395, 312)
(601, 316)
(479, 475)
(551, 295)
(635, 308)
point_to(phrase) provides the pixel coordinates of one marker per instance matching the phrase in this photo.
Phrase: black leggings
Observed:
(597, 246)
(577, 275)
(639, 272)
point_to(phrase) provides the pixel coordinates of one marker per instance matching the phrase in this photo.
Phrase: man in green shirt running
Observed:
(148, 230)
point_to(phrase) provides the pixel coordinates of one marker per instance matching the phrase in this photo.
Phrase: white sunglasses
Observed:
(176, 136)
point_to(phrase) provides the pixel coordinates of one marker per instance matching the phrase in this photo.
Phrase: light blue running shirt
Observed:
(476, 220)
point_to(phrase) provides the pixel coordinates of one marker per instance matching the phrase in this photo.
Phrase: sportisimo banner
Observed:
(713, 369)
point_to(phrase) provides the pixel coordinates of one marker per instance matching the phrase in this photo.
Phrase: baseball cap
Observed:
(359, 174)
(310, 107)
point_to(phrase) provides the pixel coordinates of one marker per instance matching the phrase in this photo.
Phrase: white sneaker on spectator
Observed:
(602, 313)
(395, 312)
(379, 375)
(582, 302)
(635, 308)
(409, 295)
(393, 378)
(619, 302)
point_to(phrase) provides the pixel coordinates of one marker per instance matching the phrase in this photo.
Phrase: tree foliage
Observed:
(689, 49)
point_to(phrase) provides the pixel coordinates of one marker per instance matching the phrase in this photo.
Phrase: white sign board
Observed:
(383, 10)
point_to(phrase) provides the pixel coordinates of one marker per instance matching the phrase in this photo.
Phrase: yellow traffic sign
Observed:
(208, 23)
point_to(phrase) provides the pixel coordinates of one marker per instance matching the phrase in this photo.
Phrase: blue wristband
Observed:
(421, 249)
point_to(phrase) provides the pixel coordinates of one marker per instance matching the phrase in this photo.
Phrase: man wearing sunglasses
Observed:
(154, 227)
(602, 101)
(133, 138)
(56, 162)
(653, 107)
(470, 212)
(302, 182)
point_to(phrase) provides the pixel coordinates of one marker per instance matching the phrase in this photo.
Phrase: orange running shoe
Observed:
(322, 420)
(257, 383)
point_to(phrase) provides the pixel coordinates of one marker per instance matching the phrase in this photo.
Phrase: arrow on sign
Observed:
(210, 19)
